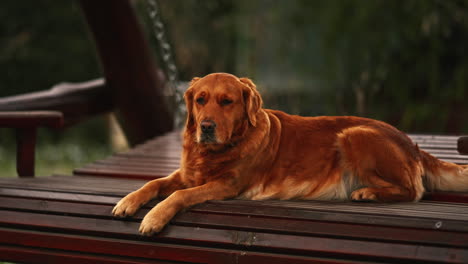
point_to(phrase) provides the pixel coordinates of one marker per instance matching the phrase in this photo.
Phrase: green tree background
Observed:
(402, 61)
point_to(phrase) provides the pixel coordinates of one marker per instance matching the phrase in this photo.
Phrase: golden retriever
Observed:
(233, 148)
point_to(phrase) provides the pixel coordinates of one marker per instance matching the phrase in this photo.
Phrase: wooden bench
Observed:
(67, 219)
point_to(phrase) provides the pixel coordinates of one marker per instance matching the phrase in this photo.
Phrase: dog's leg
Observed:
(134, 200)
(389, 183)
(163, 212)
(381, 191)
(389, 194)
(383, 163)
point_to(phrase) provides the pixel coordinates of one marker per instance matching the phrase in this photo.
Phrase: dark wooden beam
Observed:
(129, 69)
(76, 101)
(462, 145)
(26, 151)
(29, 119)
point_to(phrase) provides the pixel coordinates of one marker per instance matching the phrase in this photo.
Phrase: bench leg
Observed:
(25, 155)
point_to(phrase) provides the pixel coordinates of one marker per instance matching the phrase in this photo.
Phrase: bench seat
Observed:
(67, 219)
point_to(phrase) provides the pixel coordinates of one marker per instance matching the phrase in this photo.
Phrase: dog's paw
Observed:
(364, 195)
(127, 206)
(152, 223)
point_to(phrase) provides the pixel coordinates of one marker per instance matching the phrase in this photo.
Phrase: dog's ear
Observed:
(194, 80)
(252, 99)
(188, 97)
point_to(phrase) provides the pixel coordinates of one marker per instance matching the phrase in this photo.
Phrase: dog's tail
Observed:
(444, 176)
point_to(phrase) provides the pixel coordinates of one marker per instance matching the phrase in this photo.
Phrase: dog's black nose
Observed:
(207, 126)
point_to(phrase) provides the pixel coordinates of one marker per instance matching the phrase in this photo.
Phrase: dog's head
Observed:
(219, 106)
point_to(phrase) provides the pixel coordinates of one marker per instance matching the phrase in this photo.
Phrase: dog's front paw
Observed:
(128, 205)
(152, 223)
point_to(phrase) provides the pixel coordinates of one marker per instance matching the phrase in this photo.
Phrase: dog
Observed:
(234, 148)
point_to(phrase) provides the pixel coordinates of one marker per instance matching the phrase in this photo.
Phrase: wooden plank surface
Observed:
(298, 231)
(68, 219)
(158, 157)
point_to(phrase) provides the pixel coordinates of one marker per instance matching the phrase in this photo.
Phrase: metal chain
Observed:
(174, 88)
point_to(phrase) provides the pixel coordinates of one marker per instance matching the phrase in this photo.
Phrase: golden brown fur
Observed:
(234, 148)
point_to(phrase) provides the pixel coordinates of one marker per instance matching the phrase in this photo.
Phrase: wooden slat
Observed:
(147, 250)
(143, 160)
(105, 172)
(58, 196)
(137, 165)
(431, 137)
(253, 209)
(452, 197)
(284, 222)
(175, 156)
(226, 238)
(442, 147)
(72, 185)
(32, 255)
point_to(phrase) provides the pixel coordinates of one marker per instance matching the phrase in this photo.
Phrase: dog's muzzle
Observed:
(208, 129)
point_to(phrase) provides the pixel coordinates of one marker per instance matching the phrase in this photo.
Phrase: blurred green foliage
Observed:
(42, 43)
(402, 61)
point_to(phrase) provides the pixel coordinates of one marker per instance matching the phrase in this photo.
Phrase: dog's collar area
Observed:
(217, 148)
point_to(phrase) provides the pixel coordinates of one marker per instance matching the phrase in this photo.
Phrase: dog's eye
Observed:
(226, 102)
(201, 100)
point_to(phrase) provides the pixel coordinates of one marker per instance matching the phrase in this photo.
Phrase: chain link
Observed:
(174, 89)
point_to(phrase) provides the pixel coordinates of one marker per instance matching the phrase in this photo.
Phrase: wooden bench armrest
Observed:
(462, 145)
(30, 119)
(26, 124)
(76, 101)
